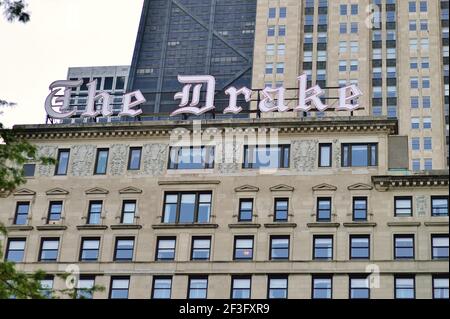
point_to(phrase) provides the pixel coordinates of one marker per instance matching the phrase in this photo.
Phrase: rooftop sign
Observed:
(273, 99)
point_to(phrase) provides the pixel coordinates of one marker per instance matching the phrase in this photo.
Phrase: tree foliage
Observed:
(15, 10)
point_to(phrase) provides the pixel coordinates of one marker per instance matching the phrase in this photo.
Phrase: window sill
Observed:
(323, 224)
(19, 228)
(280, 225)
(431, 224)
(176, 226)
(244, 225)
(360, 224)
(92, 227)
(126, 226)
(404, 224)
(51, 227)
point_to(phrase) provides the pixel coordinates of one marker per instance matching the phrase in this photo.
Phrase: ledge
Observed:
(198, 182)
(92, 227)
(244, 225)
(359, 224)
(323, 224)
(280, 225)
(19, 228)
(177, 226)
(121, 226)
(432, 224)
(403, 224)
(51, 227)
(431, 179)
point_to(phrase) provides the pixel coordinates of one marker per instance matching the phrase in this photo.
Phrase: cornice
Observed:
(433, 179)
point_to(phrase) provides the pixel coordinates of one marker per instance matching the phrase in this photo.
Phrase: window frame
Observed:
(313, 289)
(236, 239)
(8, 248)
(116, 242)
(437, 277)
(44, 239)
(49, 213)
(154, 279)
(246, 164)
(173, 165)
(323, 236)
(271, 248)
(354, 210)
(360, 236)
(83, 239)
(123, 212)
(358, 276)
(413, 257)
(194, 238)
(330, 157)
(130, 155)
(369, 154)
(243, 200)
(16, 213)
(167, 238)
(278, 277)
(410, 198)
(113, 278)
(90, 213)
(433, 256)
(318, 210)
(438, 198)
(178, 208)
(58, 158)
(396, 277)
(96, 163)
(233, 288)
(203, 289)
(276, 211)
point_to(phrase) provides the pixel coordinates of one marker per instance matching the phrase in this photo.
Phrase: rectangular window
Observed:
(359, 288)
(16, 250)
(359, 247)
(95, 212)
(29, 169)
(281, 49)
(281, 30)
(89, 249)
(423, 25)
(322, 287)
(245, 210)
(46, 287)
(343, 9)
(271, 156)
(403, 206)
(413, 64)
(277, 287)
(54, 211)
(269, 68)
(342, 66)
(198, 288)
(427, 143)
(427, 122)
(439, 246)
(343, 27)
(270, 49)
(271, 31)
(415, 123)
(162, 287)
(426, 102)
(416, 165)
(191, 157)
(281, 213)
(414, 83)
(440, 287)
(128, 212)
(324, 209)
(323, 247)
(403, 246)
(405, 287)
(428, 164)
(241, 287)
(354, 27)
(425, 63)
(187, 208)
(279, 247)
(439, 206)
(134, 158)
(280, 68)
(415, 144)
(201, 248)
(49, 249)
(325, 153)
(101, 161)
(108, 85)
(359, 155)
(124, 249)
(412, 6)
(354, 9)
(414, 102)
(283, 12)
(119, 287)
(412, 25)
(165, 248)
(423, 6)
(243, 248)
(85, 287)
(359, 208)
(120, 83)
(62, 162)
(425, 82)
(21, 215)
(354, 65)
(272, 13)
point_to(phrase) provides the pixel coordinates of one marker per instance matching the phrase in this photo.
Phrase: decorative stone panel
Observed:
(46, 151)
(118, 159)
(304, 155)
(83, 157)
(154, 158)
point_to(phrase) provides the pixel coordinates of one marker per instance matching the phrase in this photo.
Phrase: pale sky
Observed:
(61, 34)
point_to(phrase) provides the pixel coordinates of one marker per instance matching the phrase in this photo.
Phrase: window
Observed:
(416, 165)
(120, 83)
(128, 211)
(89, 249)
(413, 64)
(165, 248)
(101, 161)
(426, 102)
(342, 46)
(124, 249)
(270, 156)
(322, 287)
(343, 27)
(46, 287)
(162, 287)
(354, 65)
(281, 30)
(415, 123)
(281, 48)
(271, 31)
(412, 25)
(428, 164)
(283, 12)
(269, 68)
(424, 44)
(272, 13)
(354, 46)
(85, 287)
(354, 27)
(54, 211)
(359, 208)
(241, 287)
(198, 287)
(403, 246)
(412, 6)
(191, 157)
(21, 215)
(426, 82)
(414, 82)
(279, 247)
(243, 248)
(414, 102)
(187, 208)
(325, 151)
(404, 287)
(439, 206)
(49, 249)
(423, 25)
(277, 287)
(342, 66)
(359, 288)
(245, 210)
(343, 9)
(403, 206)
(280, 68)
(415, 144)
(16, 250)
(359, 247)
(427, 143)
(108, 85)
(201, 248)
(359, 155)
(323, 247)
(270, 49)
(134, 158)
(324, 209)
(281, 213)
(354, 9)
(439, 246)
(95, 212)
(119, 287)
(29, 169)
(425, 63)
(440, 287)
(423, 6)
(62, 162)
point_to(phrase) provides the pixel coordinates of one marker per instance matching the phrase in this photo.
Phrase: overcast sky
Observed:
(61, 34)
